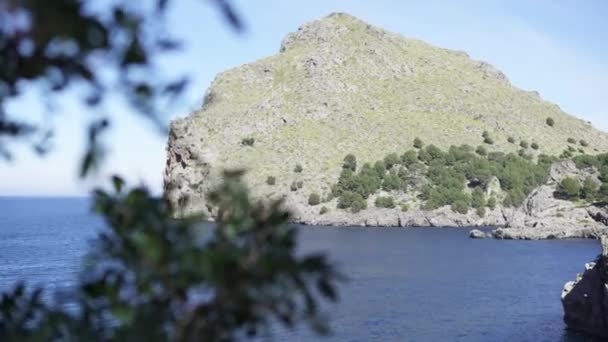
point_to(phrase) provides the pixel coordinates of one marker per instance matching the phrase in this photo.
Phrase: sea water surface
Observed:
(415, 284)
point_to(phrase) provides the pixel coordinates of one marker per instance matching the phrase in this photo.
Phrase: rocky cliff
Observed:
(585, 299)
(340, 86)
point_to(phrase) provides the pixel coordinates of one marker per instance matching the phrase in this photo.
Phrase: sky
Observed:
(557, 48)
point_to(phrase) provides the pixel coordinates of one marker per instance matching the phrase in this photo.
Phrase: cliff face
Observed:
(585, 300)
(341, 86)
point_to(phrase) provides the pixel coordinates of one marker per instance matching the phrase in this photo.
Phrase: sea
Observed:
(404, 284)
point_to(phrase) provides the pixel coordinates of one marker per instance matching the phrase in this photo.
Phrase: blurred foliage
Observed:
(102, 48)
(148, 277)
(158, 279)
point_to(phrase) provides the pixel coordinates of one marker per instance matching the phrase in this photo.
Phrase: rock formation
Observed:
(341, 86)
(585, 300)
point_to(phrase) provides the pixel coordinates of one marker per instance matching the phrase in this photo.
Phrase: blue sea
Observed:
(414, 284)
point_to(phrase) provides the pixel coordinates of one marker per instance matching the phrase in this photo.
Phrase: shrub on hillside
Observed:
(478, 198)
(314, 199)
(524, 144)
(380, 168)
(603, 192)
(391, 160)
(482, 151)
(392, 182)
(298, 168)
(418, 143)
(511, 140)
(492, 203)
(271, 180)
(247, 141)
(487, 138)
(352, 200)
(550, 121)
(569, 188)
(430, 153)
(566, 154)
(350, 162)
(587, 161)
(293, 186)
(358, 205)
(571, 141)
(589, 189)
(324, 210)
(384, 202)
(405, 207)
(460, 206)
(408, 158)
(583, 143)
(514, 198)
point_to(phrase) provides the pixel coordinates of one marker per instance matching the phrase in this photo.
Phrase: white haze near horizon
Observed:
(556, 48)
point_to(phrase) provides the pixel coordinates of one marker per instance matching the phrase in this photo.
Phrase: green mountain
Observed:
(340, 86)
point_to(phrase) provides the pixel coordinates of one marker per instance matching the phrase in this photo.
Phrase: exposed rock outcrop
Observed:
(478, 234)
(585, 300)
(542, 216)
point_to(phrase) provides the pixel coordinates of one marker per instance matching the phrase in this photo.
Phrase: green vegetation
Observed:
(535, 146)
(524, 144)
(405, 207)
(568, 188)
(445, 176)
(350, 162)
(271, 180)
(603, 192)
(247, 141)
(571, 141)
(298, 168)
(478, 201)
(511, 140)
(482, 151)
(409, 158)
(567, 154)
(487, 138)
(550, 121)
(589, 191)
(352, 200)
(492, 203)
(314, 199)
(391, 160)
(384, 202)
(583, 143)
(323, 211)
(418, 143)
(293, 186)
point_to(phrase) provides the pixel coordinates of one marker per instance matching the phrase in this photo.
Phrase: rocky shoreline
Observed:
(585, 300)
(541, 216)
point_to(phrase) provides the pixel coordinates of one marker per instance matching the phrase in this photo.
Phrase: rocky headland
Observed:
(341, 87)
(585, 300)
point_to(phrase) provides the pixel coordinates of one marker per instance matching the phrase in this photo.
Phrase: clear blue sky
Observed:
(555, 47)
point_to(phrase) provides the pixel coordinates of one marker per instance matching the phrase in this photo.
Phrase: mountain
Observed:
(340, 86)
